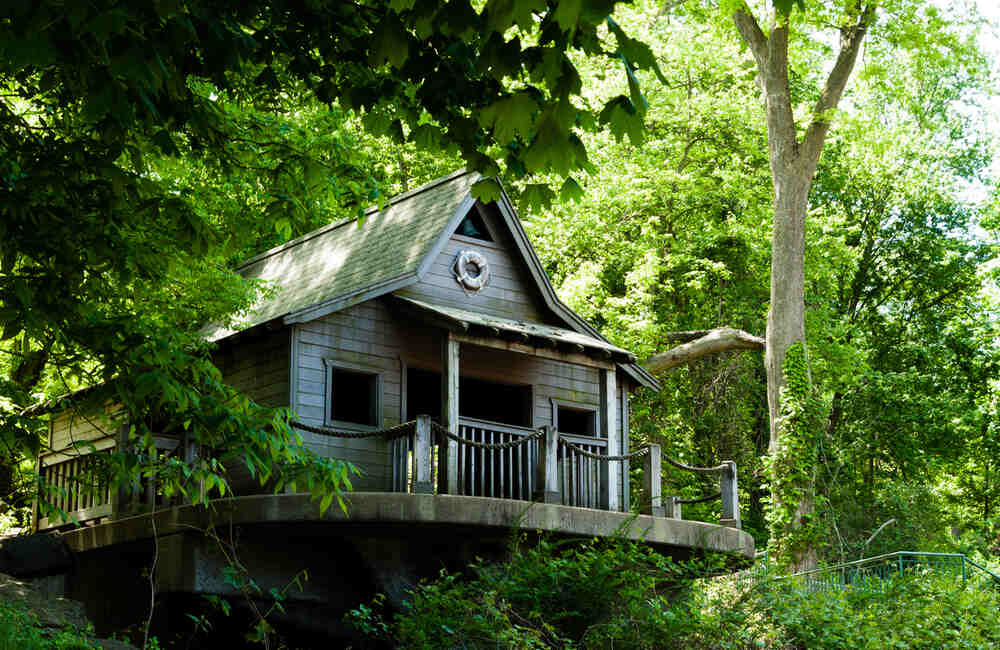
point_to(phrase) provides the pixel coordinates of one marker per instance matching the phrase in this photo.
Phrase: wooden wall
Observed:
(69, 428)
(259, 366)
(371, 336)
(511, 292)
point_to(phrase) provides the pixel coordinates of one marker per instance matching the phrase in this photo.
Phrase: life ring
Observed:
(472, 271)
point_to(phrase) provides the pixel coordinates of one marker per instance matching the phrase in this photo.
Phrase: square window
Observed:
(352, 396)
(579, 421)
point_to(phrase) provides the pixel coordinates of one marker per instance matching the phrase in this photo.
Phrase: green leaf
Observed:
(510, 117)
(537, 196)
(487, 190)
(621, 116)
(570, 190)
(391, 43)
(567, 14)
(503, 14)
(634, 52)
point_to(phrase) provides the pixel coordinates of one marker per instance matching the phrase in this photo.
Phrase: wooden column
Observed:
(449, 413)
(730, 496)
(422, 483)
(609, 428)
(547, 468)
(674, 508)
(192, 450)
(626, 447)
(121, 494)
(652, 483)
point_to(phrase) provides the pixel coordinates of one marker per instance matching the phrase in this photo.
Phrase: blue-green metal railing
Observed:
(875, 573)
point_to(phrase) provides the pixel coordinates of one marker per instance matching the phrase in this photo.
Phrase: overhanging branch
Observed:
(701, 343)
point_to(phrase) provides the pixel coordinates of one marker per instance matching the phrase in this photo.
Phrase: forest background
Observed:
(667, 229)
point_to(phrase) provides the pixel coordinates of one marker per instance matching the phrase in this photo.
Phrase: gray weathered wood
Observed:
(609, 428)
(422, 483)
(449, 410)
(673, 507)
(652, 484)
(730, 496)
(546, 468)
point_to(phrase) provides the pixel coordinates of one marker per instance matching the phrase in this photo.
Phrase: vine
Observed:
(792, 512)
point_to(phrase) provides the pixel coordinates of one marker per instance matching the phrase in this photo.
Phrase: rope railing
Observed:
(398, 431)
(546, 481)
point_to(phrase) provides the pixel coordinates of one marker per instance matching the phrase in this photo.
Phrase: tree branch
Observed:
(851, 38)
(751, 34)
(771, 54)
(702, 343)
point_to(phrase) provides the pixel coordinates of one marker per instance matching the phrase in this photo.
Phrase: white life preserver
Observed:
(472, 271)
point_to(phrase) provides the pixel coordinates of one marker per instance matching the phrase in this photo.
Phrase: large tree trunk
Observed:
(793, 164)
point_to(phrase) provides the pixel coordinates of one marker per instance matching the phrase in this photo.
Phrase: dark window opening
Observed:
(474, 226)
(353, 396)
(582, 422)
(423, 393)
(477, 398)
(487, 400)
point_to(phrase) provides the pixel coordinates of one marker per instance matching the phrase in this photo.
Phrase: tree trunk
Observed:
(786, 323)
(793, 163)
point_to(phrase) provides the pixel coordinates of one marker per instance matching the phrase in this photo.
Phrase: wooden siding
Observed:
(511, 292)
(364, 336)
(258, 366)
(371, 336)
(69, 428)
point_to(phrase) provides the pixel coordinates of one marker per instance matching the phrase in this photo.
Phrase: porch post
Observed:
(653, 505)
(422, 457)
(609, 429)
(730, 496)
(547, 468)
(448, 467)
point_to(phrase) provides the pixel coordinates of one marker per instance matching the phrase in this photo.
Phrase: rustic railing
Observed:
(507, 462)
(76, 490)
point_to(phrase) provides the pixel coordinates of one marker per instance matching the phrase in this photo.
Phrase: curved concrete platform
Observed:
(385, 544)
(443, 512)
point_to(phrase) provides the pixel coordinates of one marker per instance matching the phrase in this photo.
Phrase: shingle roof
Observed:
(349, 258)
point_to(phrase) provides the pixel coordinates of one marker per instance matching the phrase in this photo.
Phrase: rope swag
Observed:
(398, 431)
(441, 431)
(641, 451)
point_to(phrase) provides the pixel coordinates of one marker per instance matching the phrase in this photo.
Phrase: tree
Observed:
(109, 265)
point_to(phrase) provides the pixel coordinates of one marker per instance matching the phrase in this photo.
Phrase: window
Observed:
(473, 226)
(487, 400)
(577, 420)
(353, 396)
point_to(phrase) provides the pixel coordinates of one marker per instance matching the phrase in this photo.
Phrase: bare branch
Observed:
(700, 344)
(851, 38)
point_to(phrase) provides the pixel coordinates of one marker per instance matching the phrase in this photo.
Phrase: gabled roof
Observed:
(348, 262)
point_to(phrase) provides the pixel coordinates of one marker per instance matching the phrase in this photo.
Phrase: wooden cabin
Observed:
(436, 305)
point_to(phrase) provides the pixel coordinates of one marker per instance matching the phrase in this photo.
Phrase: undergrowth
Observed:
(623, 595)
(21, 630)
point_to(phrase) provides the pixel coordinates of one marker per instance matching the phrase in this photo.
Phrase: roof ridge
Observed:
(322, 230)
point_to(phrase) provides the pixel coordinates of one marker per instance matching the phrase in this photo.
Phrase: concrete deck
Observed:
(443, 512)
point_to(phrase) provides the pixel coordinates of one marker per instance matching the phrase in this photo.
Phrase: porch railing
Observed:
(506, 462)
(75, 486)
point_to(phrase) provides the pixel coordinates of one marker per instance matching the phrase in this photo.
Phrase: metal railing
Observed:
(875, 574)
